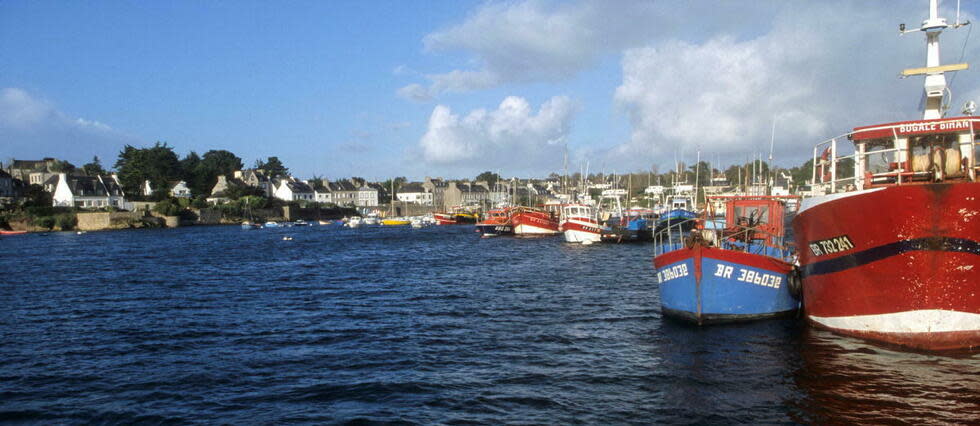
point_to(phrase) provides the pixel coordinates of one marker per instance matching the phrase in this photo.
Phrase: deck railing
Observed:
(747, 239)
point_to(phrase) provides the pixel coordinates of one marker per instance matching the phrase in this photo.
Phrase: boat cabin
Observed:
(755, 218)
(681, 203)
(576, 210)
(911, 152)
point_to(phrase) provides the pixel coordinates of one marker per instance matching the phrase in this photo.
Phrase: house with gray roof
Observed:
(293, 189)
(88, 192)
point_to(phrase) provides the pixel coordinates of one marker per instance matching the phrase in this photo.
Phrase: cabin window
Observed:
(879, 156)
(928, 151)
(753, 214)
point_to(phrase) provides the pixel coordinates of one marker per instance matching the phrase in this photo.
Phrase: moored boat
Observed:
(396, 221)
(354, 222)
(580, 224)
(532, 221)
(250, 225)
(496, 223)
(892, 253)
(680, 210)
(740, 273)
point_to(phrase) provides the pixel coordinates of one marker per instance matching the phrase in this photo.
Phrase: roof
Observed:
(92, 186)
(342, 186)
(298, 186)
(28, 164)
(411, 187)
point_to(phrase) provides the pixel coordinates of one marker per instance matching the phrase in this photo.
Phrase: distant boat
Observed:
(354, 222)
(396, 221)
(301, 222)
(271, 224)
(496, 223)
(371, 219)
(2, 232)
(680, 211)
(579, 224)
(325, 222)
(250, 225)
(743, 272)
(536, 221)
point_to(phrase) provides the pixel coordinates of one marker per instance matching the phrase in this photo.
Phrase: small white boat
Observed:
(354, 222)
(271, 224)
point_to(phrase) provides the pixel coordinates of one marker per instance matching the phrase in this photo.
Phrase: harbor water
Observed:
(433, 325)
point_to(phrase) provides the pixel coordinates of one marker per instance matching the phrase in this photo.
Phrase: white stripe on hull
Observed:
(532, 230)
(575, 236)
(923, 321)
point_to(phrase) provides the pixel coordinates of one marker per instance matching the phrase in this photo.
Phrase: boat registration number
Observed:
(672, 272)
(831, 245)
(749, 276)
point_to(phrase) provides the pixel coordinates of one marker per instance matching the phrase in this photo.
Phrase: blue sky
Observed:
(452, 88)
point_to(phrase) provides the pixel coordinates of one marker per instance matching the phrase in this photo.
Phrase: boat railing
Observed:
(743, 238)
(827, 162)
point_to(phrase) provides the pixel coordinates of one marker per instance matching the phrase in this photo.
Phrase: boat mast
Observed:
(935, 83)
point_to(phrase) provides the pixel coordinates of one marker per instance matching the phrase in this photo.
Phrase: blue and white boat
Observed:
(680, 211)
(742, 272)
(271, 224)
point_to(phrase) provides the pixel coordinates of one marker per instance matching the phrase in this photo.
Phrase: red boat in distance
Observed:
(3, 232)
(892, 253)
(536, 221)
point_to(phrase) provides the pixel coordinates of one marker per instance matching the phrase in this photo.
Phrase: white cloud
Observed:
(33, 128)
(539, 40)
(512, 137)
(722, 95)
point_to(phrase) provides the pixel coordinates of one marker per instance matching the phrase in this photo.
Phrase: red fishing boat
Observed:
(892, 253)
(444, 218)
(536, 221)
(496, 223)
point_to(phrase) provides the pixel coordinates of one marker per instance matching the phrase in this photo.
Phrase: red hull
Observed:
(530, 222)
(898, 265)
(444, 219)
(12, 232)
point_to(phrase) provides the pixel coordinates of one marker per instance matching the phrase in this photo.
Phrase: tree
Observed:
(207, 169)
(94, 168)
(273, 168)
(158, 164)
(36, 196)
(489, 177)
(62, 166)
(189, 174)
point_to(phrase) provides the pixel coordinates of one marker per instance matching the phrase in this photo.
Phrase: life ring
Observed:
(823, 167)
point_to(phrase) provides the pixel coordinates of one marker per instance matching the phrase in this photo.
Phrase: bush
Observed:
(44, 222)
(66, 221)
(167, 208)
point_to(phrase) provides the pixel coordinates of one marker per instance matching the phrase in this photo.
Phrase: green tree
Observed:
(158, 164)
(273, 167)
(490, 177)
(213, 164)
(36, 196)
(94, 168)
(62, 166)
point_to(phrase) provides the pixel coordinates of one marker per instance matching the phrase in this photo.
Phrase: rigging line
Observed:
(962, 53)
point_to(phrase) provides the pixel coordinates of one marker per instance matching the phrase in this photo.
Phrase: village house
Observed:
(465, 194)
(88, 192)
(23, 169)
(414, 193)
(219, 193)
(436, 187)
(293, 189)
(6, 186)
(256, 178)
(366, 197)
(344, 192)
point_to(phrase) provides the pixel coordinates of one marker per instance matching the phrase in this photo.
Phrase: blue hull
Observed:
(708, 285)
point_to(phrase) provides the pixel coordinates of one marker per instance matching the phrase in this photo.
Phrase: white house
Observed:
(293, 190)
(87, 192)
(414, 193)
(180, 190)
(366, 197)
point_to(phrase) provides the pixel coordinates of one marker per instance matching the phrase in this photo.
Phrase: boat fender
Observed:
(938, 166)
(794, 283)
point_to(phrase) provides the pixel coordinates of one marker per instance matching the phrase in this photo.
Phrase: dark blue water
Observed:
(221, 325)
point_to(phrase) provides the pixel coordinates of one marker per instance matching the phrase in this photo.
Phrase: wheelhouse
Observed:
(911, 152)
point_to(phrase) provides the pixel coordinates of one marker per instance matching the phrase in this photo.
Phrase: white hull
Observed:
(574, 236)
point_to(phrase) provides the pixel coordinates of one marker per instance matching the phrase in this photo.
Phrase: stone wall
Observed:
(208, 216)
(116, 220)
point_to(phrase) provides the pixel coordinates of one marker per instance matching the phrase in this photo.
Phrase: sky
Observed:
(378, 89)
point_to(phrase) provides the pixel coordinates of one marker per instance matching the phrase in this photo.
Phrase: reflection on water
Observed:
(849, 380)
